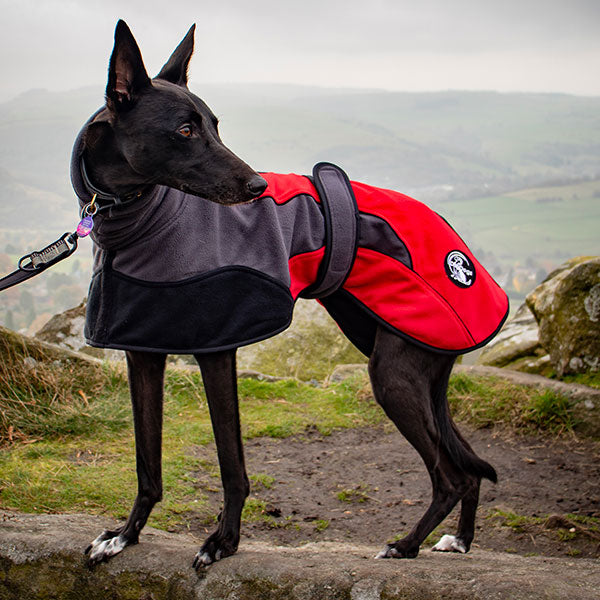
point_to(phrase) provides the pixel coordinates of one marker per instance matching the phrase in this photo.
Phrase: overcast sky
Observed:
(504, 45)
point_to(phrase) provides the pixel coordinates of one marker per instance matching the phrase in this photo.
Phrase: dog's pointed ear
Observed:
(126, 72)
(175, 69)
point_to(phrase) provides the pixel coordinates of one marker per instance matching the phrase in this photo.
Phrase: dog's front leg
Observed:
(220, 383)
(146, 378)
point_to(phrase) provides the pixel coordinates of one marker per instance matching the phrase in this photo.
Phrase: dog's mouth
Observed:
(223, 196)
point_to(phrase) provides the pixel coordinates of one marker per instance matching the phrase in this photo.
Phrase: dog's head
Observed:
(156, 132)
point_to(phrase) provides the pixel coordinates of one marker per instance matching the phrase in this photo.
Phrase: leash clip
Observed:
(40, 260)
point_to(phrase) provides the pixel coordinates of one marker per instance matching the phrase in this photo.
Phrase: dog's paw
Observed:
(450, 543)
(203, 559)
(104, 547)
(398, 550)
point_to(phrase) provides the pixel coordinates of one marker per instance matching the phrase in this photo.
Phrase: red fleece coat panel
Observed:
(425, 302)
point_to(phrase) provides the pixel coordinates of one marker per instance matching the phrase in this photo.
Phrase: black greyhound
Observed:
(156, 133)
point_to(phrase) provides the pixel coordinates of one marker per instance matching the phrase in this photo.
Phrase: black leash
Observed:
(34, 263)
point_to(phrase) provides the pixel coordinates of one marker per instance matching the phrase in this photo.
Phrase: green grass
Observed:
(45, 394)
(321, 524)
(289, 407)
(262, 480)
(562, 528)
(487, 402)
(69, 447)
(589, 379)
(255, 510)
(518, 523)
(90, 468)
(358, 494)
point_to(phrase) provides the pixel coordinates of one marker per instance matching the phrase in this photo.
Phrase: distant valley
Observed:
(518, 175)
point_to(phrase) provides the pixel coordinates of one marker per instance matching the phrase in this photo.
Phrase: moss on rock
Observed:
(309, 349)
(567, 308)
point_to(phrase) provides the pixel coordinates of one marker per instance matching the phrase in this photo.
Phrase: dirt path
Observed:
(365, 486)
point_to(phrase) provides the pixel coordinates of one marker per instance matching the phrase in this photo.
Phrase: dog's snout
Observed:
(257, 185)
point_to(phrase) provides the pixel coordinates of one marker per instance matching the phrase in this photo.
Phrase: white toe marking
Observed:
(383, 553)
(204, 558)
(98, 540)
(450, 543)
(104, 549)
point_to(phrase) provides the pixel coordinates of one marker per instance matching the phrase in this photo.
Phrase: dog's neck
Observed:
(103, 183)
(106, 173)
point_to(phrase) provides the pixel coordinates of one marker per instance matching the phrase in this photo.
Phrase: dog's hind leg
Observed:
(461, 542)
(220, 383)
(410, 384)
(146, 378)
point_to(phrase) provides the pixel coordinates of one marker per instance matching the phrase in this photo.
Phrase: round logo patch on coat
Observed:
(460, 269)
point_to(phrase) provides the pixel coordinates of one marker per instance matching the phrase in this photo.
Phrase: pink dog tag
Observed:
(85, 226)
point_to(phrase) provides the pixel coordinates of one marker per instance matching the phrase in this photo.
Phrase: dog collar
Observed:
(105, 200)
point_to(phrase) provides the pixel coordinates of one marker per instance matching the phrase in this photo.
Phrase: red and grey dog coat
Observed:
(175, 273)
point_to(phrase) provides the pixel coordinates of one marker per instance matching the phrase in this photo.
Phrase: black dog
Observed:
(154, 133)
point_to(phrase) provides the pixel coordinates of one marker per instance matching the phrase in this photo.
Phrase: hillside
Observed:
(462, 143)
(517, 175)
(468, 141)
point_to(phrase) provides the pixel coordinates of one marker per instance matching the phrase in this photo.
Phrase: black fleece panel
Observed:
(171, 318)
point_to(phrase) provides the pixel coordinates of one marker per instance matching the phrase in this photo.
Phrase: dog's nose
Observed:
(256, 186)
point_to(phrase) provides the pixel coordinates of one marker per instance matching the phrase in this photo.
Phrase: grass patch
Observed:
(488, 401)
(256, 510)
(518, 523)
(77, 455)
(68, 441)
(46, 394)
(589, 379)
(357, 494)
(262, 480)
(283, 408)
(320, 524)
(560, 528)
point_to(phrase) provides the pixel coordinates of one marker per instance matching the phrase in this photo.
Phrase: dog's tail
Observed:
(455, 445)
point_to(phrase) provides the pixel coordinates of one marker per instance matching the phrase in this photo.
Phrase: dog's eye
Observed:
(186, 130)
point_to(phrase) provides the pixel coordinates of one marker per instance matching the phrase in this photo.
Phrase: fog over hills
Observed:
(435, 146)
(517, 175)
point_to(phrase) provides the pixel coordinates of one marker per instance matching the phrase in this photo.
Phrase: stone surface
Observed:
(42, 557)
(567, 308)
(342, 372)
(40, 350)
(66, 330)
(518, 342)
(309, 349)
(557, 329)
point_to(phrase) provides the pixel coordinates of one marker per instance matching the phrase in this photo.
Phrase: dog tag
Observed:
(85, 226)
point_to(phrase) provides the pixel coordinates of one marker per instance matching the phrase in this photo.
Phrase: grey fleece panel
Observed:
(201, 236)
(377, 234)
(169, 236)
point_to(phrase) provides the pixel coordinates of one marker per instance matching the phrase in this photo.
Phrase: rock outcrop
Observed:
(517, 346)
(557, 329)
(41, 557)
(567, 308)
(309, 349)
(66, 330)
